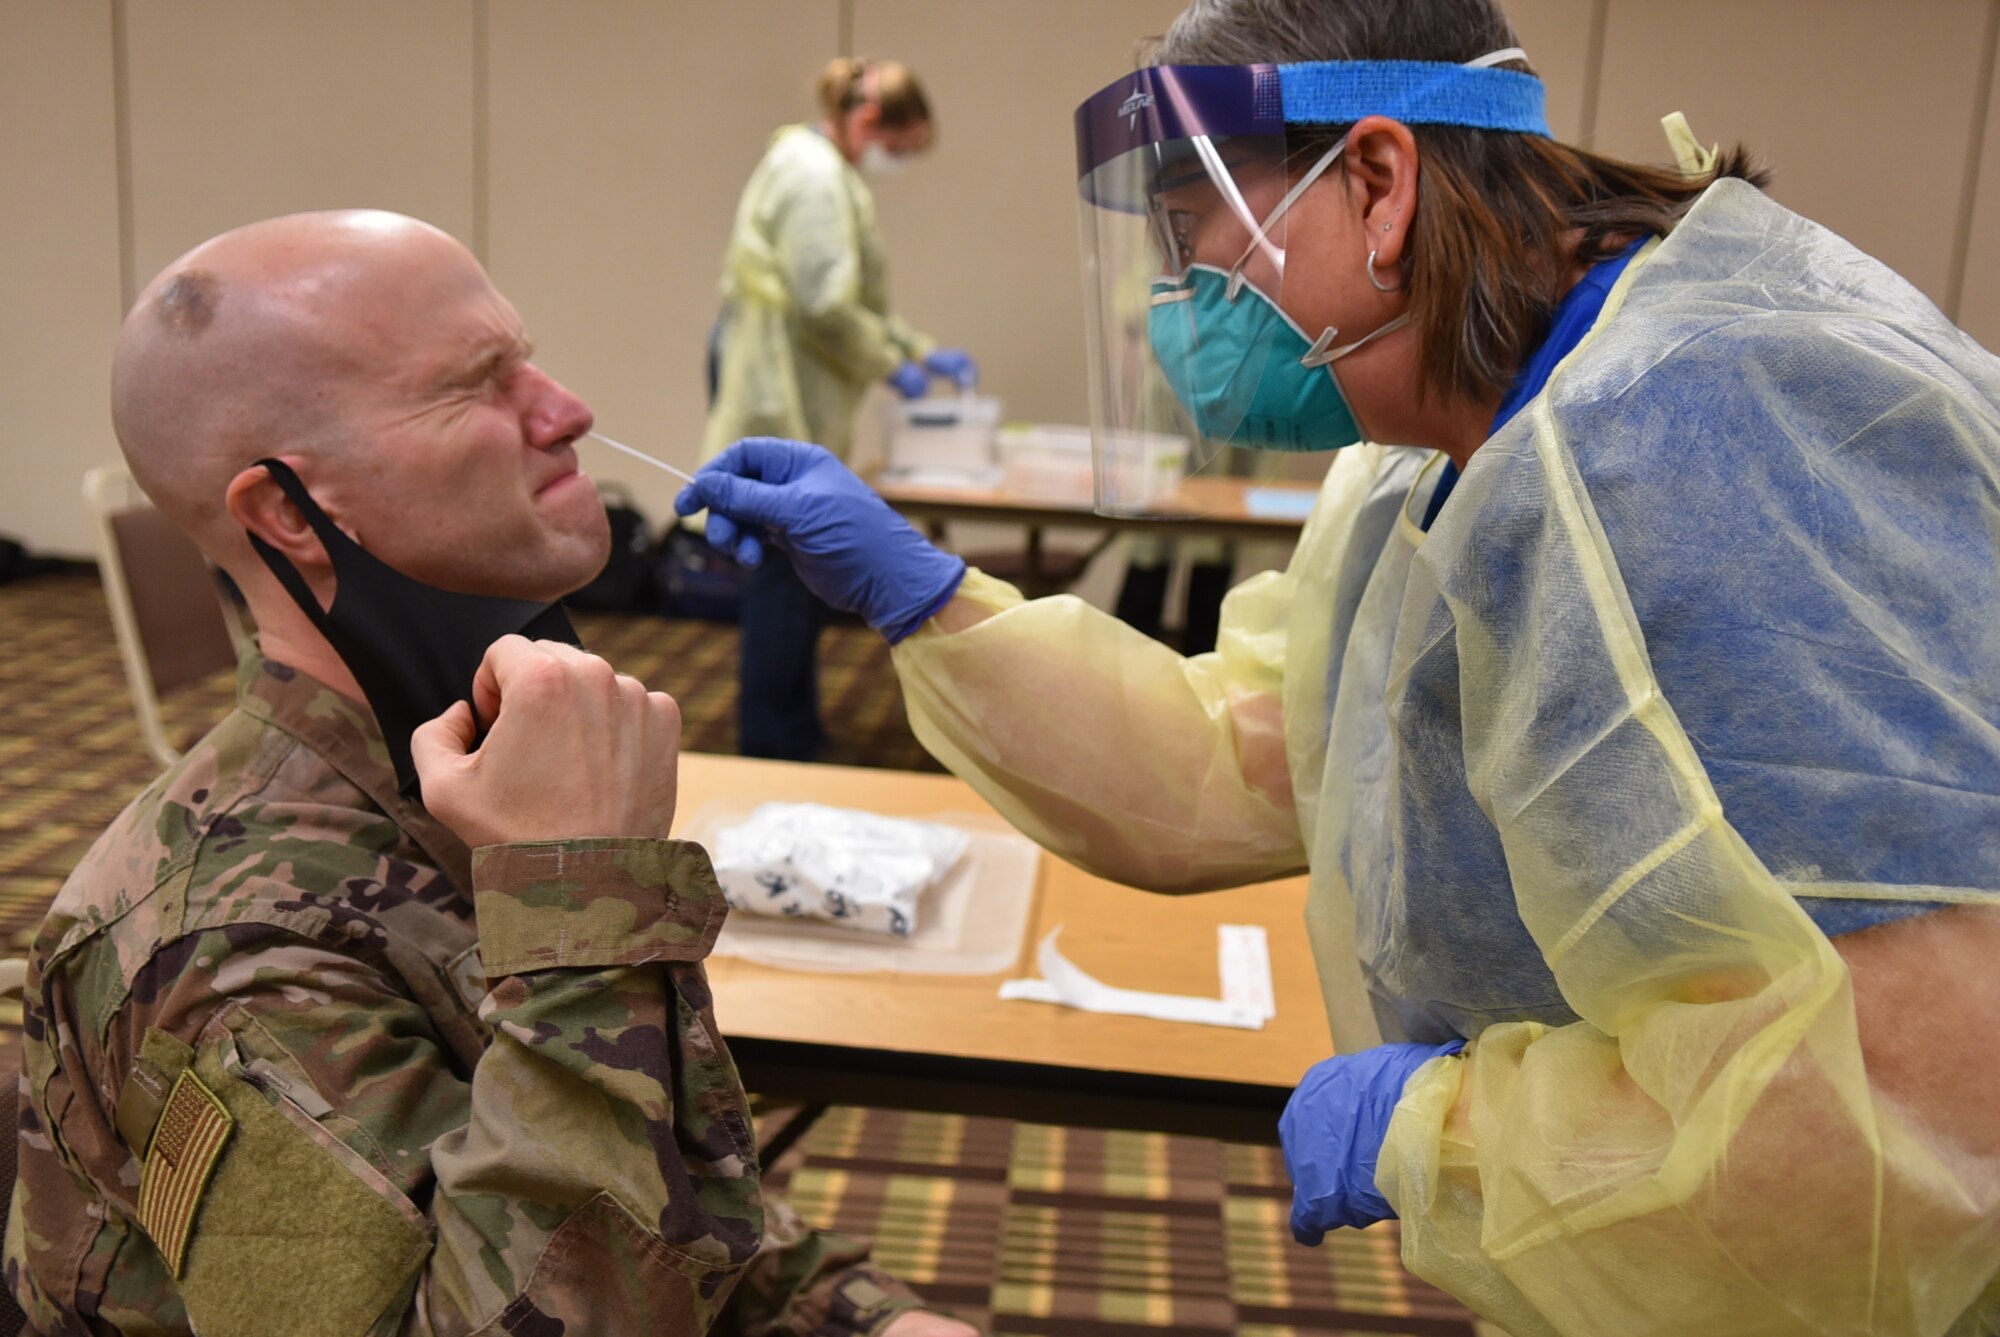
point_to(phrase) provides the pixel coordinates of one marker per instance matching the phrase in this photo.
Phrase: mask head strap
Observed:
(1323, 351)
(1291, 197)
(1335, 92)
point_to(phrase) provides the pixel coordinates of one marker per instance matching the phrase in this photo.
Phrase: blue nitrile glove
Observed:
(910, 381)
(1333, 1128)
(848, 546)
(955, 365)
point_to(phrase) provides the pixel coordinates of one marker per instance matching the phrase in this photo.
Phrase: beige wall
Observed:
(1980, 308)
(248, 108)
(983, 236)
(59, 262)
(592, 151)
(621, 134)
(1863, 108)
(1562, 37)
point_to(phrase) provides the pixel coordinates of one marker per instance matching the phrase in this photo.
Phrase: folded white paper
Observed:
(1242, 952)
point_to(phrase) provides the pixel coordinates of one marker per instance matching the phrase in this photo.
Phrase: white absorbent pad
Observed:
(857, 869)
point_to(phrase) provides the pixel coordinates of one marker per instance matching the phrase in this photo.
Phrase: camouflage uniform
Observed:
(402, 1150)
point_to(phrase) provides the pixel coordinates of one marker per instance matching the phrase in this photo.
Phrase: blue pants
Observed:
(777, 701)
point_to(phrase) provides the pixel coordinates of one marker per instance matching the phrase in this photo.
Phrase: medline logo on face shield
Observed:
(1133, 105)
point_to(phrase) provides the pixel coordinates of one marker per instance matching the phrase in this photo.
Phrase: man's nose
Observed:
(551, 414)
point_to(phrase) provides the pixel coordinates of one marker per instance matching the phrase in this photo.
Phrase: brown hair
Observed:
(1501, 218)
(844, 85)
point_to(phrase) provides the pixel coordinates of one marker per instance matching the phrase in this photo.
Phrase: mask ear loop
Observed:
(330, 535)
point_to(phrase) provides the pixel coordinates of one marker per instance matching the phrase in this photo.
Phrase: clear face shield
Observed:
(1181, 177)
(1187, 177)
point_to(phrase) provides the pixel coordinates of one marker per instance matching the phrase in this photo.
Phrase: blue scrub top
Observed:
(1574, 318)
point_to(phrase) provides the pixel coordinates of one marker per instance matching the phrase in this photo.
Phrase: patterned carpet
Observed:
(1070, 1232)
(1025, 1229)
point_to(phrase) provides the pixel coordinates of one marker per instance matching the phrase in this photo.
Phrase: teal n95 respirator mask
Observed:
(1243, 369)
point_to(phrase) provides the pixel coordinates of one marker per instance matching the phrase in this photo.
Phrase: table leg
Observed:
(787, 1137)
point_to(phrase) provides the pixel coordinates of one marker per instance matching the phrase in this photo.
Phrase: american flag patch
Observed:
(187, 1142)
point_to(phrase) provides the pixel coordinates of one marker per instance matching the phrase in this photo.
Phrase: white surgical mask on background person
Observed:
(878, 161)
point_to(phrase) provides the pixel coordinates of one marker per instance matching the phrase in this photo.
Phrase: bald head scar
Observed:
(187, 304)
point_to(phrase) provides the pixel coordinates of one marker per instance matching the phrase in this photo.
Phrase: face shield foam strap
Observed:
(1417, 92)
(1166, 105)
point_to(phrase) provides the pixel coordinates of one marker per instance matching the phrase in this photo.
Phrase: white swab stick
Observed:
(642, 455)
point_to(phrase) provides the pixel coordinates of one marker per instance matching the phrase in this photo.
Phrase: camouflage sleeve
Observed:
(800, 1280)
(594, 1171)
(811, 1281)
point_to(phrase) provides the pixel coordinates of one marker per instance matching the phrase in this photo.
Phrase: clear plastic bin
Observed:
(1053, 462)
(942, 435)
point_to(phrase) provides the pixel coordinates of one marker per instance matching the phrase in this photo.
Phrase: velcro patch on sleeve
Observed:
(864, 1295)
(187, 1142)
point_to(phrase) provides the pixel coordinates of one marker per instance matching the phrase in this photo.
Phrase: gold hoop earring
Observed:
(1378, 285)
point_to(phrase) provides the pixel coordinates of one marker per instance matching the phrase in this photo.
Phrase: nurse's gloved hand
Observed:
(1333, 1128)
(910, 381)
(848, 546)
(955, 365)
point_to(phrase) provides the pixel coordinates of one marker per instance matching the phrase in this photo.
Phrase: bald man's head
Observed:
(244, 347)
(370, 352)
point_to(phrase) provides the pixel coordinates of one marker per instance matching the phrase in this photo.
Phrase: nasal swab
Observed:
(642, 455)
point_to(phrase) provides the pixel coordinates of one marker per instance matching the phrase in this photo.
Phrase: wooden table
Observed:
(1199, 508)
(948, 1043)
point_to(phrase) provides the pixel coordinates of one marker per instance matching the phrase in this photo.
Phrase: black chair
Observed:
(174, 623)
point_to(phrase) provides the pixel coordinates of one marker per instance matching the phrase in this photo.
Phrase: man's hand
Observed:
(575, 751)
(917, 1323)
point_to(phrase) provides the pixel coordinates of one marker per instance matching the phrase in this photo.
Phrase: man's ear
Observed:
(257, 504)
(1382, 159)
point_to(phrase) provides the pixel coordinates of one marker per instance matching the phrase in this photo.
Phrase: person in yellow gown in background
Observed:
(806, 329)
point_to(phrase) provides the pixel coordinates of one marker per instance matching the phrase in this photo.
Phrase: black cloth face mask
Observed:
(412, 648)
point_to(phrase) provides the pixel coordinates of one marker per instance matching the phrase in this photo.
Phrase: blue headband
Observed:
(1416, 92)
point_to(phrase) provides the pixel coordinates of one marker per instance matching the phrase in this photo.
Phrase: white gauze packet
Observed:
(857, 869)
